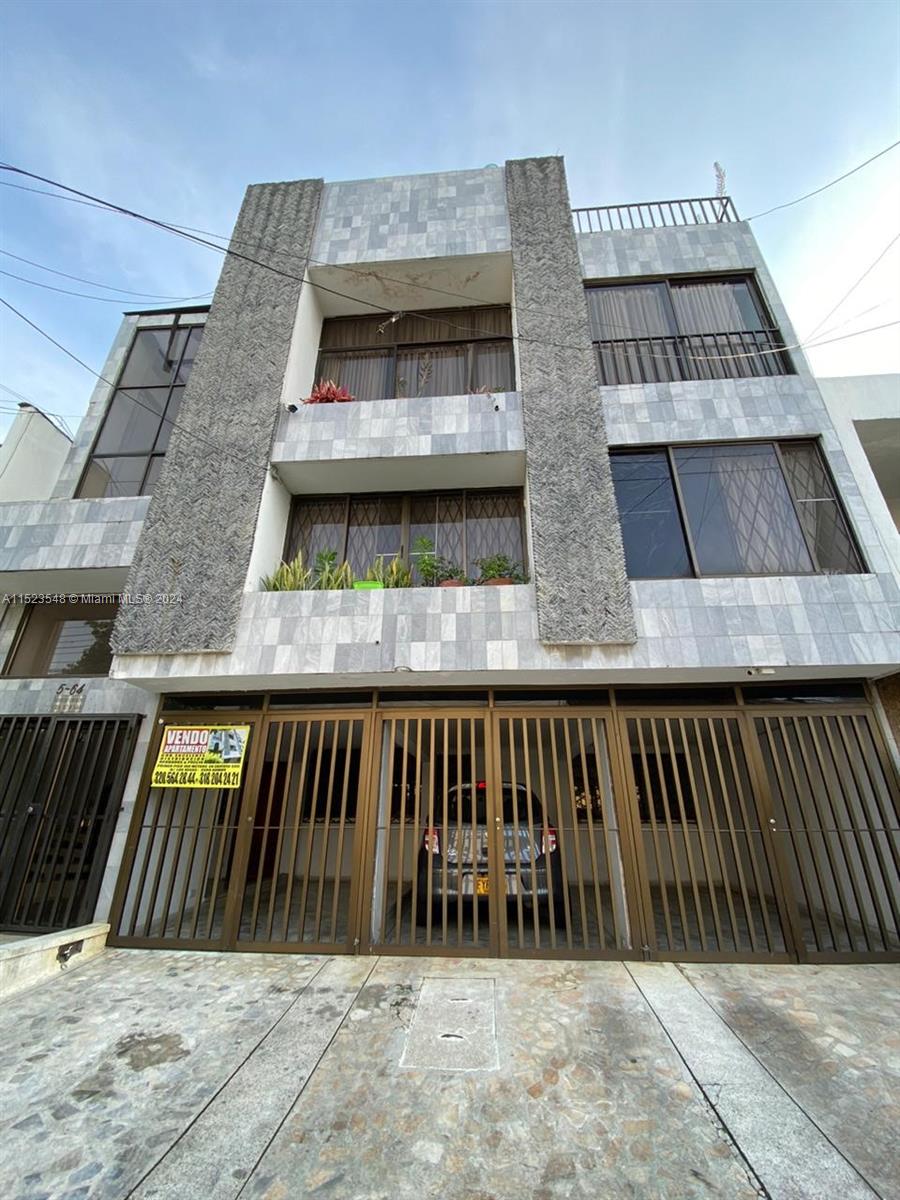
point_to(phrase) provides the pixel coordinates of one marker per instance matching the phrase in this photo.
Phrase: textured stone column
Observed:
(200, 525)
(577, 558)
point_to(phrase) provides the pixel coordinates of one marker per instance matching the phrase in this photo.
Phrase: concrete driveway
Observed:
(208, 1077)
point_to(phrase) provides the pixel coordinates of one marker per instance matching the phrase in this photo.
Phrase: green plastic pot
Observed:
(366, 585)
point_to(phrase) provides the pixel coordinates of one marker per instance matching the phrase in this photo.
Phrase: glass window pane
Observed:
(318, 525)
(824, 522)
(375, 531)
(435, 371)
(172, 411)
(132, 421)
(635, 310)
(154, 356)
(648, 513)
(82, 648)
(493, 526)
(739, 510)
(715, 306)
(365, 374)
(117, 476)
(187, 362)
(494, 367)
(156, 463)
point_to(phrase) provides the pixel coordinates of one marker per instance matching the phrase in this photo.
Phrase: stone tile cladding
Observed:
(839, 613)
(577, 557)
(401, 428)
(413, 216)
(835, 621)
(200, 525)
(37, 535)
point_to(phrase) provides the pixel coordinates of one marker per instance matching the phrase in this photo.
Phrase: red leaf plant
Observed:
(327, 391)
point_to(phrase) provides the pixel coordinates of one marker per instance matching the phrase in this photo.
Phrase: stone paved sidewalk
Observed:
(188, 1076)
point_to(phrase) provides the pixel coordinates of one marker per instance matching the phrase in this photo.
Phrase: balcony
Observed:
(451, 441)
(655, 214)
(743, 354)
(64, 545)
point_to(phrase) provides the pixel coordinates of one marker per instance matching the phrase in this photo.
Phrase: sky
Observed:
(172, 107)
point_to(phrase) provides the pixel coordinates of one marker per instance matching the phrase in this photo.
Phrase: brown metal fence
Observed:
(835, 823)
(61, 781)
(705, 844)
(728, 833)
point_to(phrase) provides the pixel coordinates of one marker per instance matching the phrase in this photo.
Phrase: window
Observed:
(464, 526)
(657, 332)
(745, 508)
(63, 639)
(443, 353)
(133, 438)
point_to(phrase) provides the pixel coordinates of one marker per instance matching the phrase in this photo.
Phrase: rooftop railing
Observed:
(655, 214)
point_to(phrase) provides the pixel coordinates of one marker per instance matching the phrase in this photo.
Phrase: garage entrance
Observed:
(544, 830)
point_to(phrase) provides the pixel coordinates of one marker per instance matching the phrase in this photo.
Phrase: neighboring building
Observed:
(666, 744)
(32, 456)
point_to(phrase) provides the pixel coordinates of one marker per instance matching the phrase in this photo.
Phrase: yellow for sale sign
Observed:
(201, 756)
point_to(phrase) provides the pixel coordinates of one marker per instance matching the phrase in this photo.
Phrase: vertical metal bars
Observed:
(61, 781)
(836, 824)
(711, 890)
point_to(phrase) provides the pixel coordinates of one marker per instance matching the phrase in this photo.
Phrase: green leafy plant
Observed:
(394, 574)
(329, 575)
(293, 576)
(434, 569)
(499, 566)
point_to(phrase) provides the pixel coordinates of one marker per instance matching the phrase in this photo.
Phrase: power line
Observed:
(825, 186)
(107, 287)
(49, 287)
(380, 307)
(851, 290)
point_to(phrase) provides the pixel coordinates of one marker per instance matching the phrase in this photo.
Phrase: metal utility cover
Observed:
(454, 1027)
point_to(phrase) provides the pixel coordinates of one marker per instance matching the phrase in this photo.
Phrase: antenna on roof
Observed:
(720, 178)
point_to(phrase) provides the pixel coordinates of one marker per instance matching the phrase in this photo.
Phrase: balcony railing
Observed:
(735, 355)
(655, 214)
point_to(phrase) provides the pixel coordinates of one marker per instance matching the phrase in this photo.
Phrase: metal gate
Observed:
(708, 884)
(61, 782)
(836, 827)
(735, 832)
(269, 865)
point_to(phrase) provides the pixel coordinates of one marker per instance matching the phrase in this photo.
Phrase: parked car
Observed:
(462, 843)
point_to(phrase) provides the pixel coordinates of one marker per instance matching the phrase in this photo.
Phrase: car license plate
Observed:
(482, 885)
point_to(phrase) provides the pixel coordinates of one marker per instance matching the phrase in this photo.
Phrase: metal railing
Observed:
(655, 214)
(734, 355)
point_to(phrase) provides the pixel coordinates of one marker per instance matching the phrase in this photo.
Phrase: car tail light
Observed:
(432, 841)
(481, 786)
(548, 841)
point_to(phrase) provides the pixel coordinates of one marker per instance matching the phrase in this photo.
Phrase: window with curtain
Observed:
(135, 432)
(674, 329)
(462, 525)
(744, 508)
(444, 352)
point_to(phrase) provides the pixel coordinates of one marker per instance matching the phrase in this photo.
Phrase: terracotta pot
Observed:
(452, 583)
(504, 581)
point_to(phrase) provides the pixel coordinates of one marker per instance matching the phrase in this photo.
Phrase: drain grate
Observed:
(454, 1027)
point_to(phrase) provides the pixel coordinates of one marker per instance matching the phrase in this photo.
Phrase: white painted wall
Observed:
(852, 398)
(32, 457)
(271, 530)
(300, 374)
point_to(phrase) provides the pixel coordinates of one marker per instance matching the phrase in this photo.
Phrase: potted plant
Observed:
(498, 570)
(434, 569)
(293, 576)
(328, 575)
(327, 391)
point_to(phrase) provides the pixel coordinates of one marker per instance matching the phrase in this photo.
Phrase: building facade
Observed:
(610, 688)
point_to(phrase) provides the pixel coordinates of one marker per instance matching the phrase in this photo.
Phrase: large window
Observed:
(132, 441)
(463, 526)
(744, 508)
(63, 639)
(448, 352)
(660, 331)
